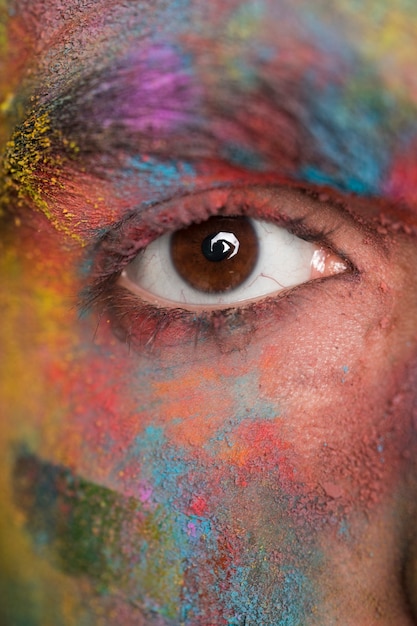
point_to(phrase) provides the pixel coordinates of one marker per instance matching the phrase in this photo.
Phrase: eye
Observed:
(226, 261)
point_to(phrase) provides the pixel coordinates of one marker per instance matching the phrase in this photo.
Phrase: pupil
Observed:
(218, 246)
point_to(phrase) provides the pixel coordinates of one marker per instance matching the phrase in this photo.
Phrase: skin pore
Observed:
(247, 462)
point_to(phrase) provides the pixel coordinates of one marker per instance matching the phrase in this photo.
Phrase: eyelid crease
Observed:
(125, 240)
(142, 323)
(137, 229)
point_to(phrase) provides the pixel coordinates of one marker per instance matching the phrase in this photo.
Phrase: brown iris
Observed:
(217, 255)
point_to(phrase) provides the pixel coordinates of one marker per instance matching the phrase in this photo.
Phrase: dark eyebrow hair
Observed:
(152, 103)
(145, 103)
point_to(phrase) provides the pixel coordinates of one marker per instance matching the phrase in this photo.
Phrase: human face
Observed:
(241, 460)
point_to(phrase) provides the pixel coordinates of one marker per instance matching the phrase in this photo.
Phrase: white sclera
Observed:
(284, 260)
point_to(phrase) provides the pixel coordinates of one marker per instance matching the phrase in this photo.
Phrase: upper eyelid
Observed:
(152, 221)
(297, 213)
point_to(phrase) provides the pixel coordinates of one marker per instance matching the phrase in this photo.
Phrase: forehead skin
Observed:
(247, 468)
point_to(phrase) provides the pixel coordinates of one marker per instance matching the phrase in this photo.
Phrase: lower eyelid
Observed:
(328, 266)
(151, 327)
(163, 304)
(142, 321)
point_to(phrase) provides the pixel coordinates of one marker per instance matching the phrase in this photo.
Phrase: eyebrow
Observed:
(154, 102)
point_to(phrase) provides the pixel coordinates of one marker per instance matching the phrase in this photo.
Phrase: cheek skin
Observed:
(283, 465)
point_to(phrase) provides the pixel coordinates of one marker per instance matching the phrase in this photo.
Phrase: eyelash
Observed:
(139, 323)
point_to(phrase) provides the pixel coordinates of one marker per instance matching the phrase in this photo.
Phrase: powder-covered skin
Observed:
(171, 466)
